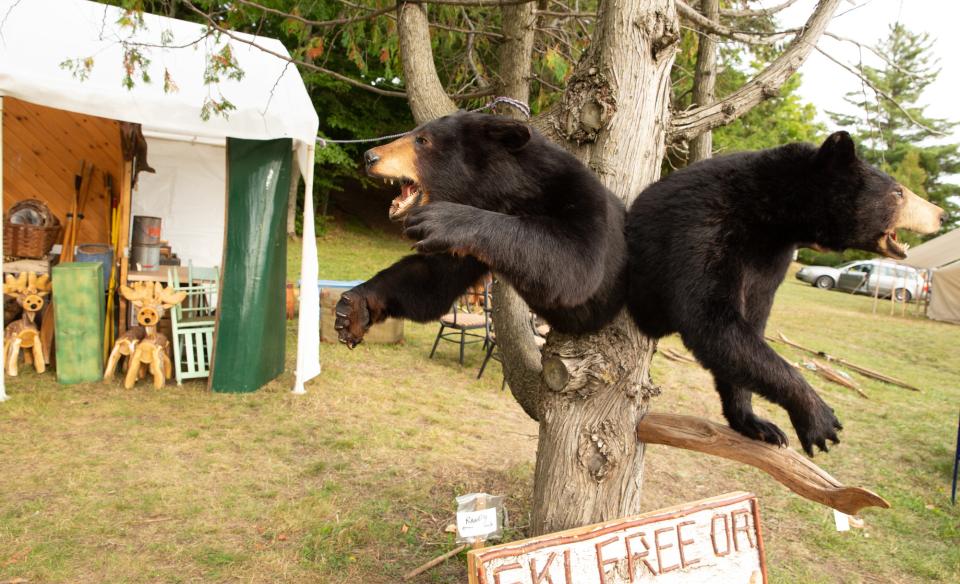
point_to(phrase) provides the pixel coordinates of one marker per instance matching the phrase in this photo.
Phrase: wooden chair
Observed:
(466, 327)
(193, 321)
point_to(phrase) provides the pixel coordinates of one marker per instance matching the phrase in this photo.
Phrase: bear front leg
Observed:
(551, 261)
(738, 410)
(418, 287)
(734, 352)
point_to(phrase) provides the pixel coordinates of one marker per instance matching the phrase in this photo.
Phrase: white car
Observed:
(863, 277)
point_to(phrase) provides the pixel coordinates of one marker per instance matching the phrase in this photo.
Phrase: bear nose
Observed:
(370, 158)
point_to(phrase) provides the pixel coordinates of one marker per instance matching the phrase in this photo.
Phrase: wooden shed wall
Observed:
(42, 151)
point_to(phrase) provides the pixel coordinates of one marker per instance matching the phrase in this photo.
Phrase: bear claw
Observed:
(815, 428)
(353, 319)
(756, 428)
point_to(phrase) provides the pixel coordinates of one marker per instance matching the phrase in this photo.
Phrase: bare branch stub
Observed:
(587, 106)
(690, 123)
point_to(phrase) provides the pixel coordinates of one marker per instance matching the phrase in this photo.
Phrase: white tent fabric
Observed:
(270, 101)
(936, 252)
(945, 295)
(942, 255)
(187, 193)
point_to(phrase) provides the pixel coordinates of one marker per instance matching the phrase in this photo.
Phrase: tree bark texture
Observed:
(425, 93)
(589, 462)
(704, 80)
(595, 388)
(519, 353)
(590, 392)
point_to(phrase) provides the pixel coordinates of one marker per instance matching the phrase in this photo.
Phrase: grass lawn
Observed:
(355, 481)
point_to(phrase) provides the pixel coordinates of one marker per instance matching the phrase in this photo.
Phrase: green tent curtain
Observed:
(251, 325)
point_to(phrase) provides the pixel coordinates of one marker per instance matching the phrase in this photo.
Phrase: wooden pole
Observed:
(858, 368)
(903, 301)
(893, 287)
(876, 289)
(791, 469)
(3, 388)
(123, 239)
(434, 562)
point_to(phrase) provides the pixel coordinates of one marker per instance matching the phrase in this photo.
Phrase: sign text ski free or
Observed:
(712, 541)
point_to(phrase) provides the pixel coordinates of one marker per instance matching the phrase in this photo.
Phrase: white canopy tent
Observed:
(942, 255)
(269, 102)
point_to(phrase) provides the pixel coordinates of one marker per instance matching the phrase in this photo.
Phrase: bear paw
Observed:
(815, 426)
(438, 227)
(353, 318)
(756, 428)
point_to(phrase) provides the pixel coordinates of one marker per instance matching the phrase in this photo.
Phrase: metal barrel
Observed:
(146, 256)
(97, 253)
(146, 230)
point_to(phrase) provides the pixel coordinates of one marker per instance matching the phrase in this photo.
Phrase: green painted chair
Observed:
(193, 321)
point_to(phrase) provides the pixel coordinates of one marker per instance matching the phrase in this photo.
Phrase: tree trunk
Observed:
(425, 93)
(595, 388)
(590, 392)
(519, 353)
(704, 80)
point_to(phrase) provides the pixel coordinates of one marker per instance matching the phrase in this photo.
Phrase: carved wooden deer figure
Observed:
(145, 348)
(29, 291)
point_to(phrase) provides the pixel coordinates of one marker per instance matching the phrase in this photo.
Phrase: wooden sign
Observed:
(715, 540)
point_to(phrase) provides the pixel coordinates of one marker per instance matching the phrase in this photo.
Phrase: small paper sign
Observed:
(480, 517)
(713, 541)
(477, 523)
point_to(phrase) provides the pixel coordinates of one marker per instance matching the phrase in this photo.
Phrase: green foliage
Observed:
(774, 122)
(888, 138)
(895, 133)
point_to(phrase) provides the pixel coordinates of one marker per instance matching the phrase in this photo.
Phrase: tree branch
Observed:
(428, 100)
(313, 67)
(318, 23)
(881, 93)
(798, 474)
(873, 50)
(704, 81)
(766, 84)
(511, 315)
(704, 24)
(756, 12)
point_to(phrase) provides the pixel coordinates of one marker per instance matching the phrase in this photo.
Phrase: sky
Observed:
(867, 21)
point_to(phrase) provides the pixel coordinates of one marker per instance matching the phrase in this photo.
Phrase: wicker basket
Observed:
(29, 241)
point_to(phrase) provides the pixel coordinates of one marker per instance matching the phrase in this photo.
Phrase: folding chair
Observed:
(464, 324)
(193, 321)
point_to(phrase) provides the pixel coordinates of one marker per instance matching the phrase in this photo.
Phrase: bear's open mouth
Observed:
(891, 247)
(410, 196)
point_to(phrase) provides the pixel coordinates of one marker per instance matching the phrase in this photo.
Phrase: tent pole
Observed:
(3, 388)
(308, 323)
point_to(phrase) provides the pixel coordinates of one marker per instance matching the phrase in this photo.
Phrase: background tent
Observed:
(942, 255)
(269, 103)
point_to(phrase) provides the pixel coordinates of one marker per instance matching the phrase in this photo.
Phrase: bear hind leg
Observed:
(732, 350)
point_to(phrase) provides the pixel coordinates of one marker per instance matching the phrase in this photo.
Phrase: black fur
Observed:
(523, 207)
(709, 245)
(704, 252)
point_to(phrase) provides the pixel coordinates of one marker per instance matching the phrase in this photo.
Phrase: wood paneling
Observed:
(43, 150)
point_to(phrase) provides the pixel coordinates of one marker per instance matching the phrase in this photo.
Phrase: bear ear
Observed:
(837, 150)
(512, 134)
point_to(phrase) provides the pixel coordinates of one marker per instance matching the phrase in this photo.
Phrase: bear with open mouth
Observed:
(701, 252)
